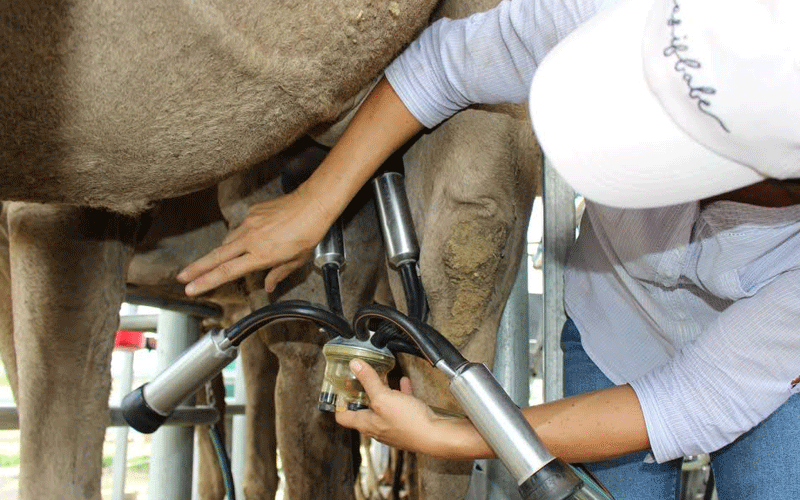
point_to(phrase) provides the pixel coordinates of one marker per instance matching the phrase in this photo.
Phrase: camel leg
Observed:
(316, 453)
(7, 354)
(68, 270)
(210, 484)
(260, 368)
(471, 184)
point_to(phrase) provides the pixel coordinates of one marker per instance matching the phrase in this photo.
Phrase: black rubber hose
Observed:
(385, 333)
(416, 302)
(406, 347)
(709, 494)
(389, 336)
(181, 306)
(431, 343)
(332, 324)
(333, 294)
(417, 305)
(224, 461)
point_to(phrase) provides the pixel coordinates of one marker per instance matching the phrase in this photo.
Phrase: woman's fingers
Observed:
(368, 422)
(278, 234)
(372, 383)
(360, 420)
(222, 273)
(395, 418)
(405, 386)
(211, 260)
(237, 232)
(279, 273)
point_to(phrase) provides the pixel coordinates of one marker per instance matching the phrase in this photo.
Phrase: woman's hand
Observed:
(398, 419)
(395, 418)
(280, 234)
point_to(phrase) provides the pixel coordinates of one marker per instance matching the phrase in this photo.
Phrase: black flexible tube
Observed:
(404, 346)
(181, 306)
(332, 324)
(415, 293)
(224, 461)
(388, 335)
(333, 294)
(433, 345)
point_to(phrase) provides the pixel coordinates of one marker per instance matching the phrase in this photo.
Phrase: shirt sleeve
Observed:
(740, 370)
(487, 58)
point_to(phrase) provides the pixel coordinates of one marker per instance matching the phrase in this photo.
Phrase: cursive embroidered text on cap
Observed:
(687, 67)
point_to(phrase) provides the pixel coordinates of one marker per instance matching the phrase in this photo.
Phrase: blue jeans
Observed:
(763, 464)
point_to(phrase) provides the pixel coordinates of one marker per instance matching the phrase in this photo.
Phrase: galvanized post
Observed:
(121, 433)
(512, 370)
(559, 234)
(119, 466)
(490, 479)
(239, 433)
(172, 447)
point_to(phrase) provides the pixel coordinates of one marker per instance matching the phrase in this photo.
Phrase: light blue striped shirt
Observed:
(697, 310)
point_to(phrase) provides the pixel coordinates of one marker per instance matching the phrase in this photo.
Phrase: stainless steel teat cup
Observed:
(340, 387)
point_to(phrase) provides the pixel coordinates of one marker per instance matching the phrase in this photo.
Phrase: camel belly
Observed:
(116, 104)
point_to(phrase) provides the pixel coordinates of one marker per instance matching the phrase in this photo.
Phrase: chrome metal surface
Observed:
(139, 322)
(331, 249)
(395, 219)
(195, 366)
(512, 371)
(499, 421)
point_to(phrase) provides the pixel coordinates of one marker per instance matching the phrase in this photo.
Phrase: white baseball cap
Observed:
(656, 103)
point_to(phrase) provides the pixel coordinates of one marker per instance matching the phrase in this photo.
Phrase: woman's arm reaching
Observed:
(489, 57)
(281, 233)
(593, 426)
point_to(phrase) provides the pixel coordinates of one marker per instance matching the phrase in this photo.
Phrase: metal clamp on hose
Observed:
(400, 239)
(329, 257)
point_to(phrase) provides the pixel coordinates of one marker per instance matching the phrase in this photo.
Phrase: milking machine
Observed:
(377, 333)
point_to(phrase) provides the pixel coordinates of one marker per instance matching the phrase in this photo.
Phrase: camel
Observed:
(112, 107)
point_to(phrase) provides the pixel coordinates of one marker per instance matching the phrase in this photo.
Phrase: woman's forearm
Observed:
(594, 426)
(381, 125)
